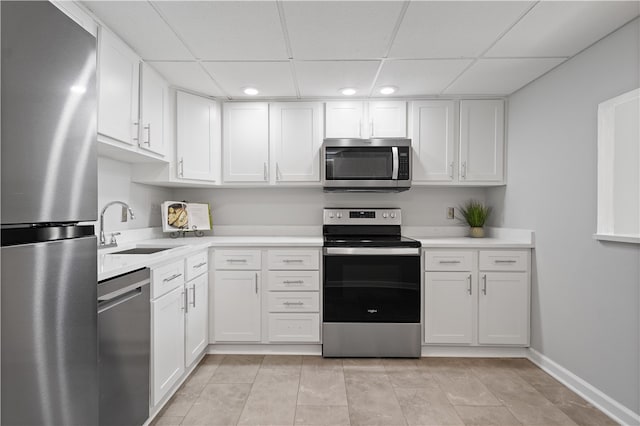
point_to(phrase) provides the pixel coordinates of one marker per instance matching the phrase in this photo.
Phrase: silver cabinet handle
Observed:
(185, 302)
(181, 167)
(360, 128)
(237, 260)
(292, 260)
(171, 278)
(449, 261)
(135, 123)
(148, 129)
(484, 286)
(451, 170)
(278, 174)
(464, 170)
(199, 265)
(371, 126)
(256, 283)
(293, 303)
(266, 177)
(293, 282)
(504, 261)
(193, 288)
(469, 288)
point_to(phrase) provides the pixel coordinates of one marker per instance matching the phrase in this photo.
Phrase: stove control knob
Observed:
(393, 215)
(339, 215)
(384, 215)
(331, 215)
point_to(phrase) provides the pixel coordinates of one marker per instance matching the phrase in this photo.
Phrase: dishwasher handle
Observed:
(106, 303)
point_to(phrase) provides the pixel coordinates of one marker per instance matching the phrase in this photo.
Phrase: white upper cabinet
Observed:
(153, 100)
(481, 141)
(197, 137)
(344, 119)
(118, 73)
(433, 141)
(295, 140)
(246, 142)
(357, 119)
(388, 119)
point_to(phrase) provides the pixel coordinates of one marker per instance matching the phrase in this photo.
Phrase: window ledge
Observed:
(633, 239)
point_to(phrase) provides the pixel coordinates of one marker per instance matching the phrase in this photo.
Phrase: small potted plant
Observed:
(475, 214)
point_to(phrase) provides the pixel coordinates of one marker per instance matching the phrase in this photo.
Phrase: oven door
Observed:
(371, 285)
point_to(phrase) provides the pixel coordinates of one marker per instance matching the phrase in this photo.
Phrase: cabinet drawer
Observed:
(294, 301)
(294, 259)
(237, 259)
(166, 278)
(504, 260)
(294, 327)
(448, 260)
(294, 280)
(196, 265)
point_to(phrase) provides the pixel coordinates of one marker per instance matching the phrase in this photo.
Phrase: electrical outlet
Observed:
(451, 211)
(123, 216)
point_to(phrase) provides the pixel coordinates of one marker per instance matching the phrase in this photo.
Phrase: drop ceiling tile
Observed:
(228, 30)
(187, 75)
(501, 76)
(453, 29)
(140, 26)
(273, 79)
(340, 30)
(420, 77)
(563, 28)
(325, 78)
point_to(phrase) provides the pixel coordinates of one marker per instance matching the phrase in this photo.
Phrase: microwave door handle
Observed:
(396, 163)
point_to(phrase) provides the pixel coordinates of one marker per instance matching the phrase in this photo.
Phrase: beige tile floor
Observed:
(310, 390)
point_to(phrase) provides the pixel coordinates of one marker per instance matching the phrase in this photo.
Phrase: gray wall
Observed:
(585, 292)
(303, 206)
(114, 183)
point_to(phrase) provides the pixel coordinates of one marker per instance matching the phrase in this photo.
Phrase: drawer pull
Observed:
(237, 260)
(450, 261)
(293, 303)
(292, 260)
(171, 278)
(484, 288)
(469, 288)
(199, 265)
(293, 282)
(505, 261)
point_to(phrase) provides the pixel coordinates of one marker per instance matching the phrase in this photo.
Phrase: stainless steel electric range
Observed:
(371, 285)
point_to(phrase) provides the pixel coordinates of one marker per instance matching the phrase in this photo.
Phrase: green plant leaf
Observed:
(474, 213)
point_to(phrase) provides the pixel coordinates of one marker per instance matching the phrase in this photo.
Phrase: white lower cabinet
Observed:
(167, 318)
(196, 318)
(477, 297)
(291, 328)
(236, 306)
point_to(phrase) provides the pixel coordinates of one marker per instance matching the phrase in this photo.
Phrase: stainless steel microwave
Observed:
(366, 165)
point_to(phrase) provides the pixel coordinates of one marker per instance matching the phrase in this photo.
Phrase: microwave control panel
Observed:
(403, 163)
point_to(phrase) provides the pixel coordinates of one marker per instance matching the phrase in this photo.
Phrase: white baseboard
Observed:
(266, 349)
(602, 401)
(474, 352)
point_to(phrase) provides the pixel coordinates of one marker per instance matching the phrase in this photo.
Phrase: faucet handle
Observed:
(113, 238)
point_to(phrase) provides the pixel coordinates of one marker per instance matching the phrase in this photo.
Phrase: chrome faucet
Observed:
(113, 242)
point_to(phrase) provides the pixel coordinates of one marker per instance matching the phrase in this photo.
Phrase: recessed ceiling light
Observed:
(251, 91)
(348, 91)
(388, 90)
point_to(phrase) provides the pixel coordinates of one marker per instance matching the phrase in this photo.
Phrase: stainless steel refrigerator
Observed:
(49, 184)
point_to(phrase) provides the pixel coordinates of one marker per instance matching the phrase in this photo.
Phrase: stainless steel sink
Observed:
(142, 250)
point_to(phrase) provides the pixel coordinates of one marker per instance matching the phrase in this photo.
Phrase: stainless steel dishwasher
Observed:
(124, 340)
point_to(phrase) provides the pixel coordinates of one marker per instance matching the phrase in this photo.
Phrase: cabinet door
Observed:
(236, 306)
(246, 142)
(153, 98)
(388, 119)
(433, 141)
(196, 132)
(118, 76)
(167, 316)
(448, 307)
(503, 310)
(296, 137)
(482, 141)
(344, 119)
(197, 318)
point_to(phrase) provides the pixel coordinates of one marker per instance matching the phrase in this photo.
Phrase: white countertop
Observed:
(467, 242)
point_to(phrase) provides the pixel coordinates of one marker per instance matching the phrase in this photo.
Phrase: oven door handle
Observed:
(367, 251)
(396, 163)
